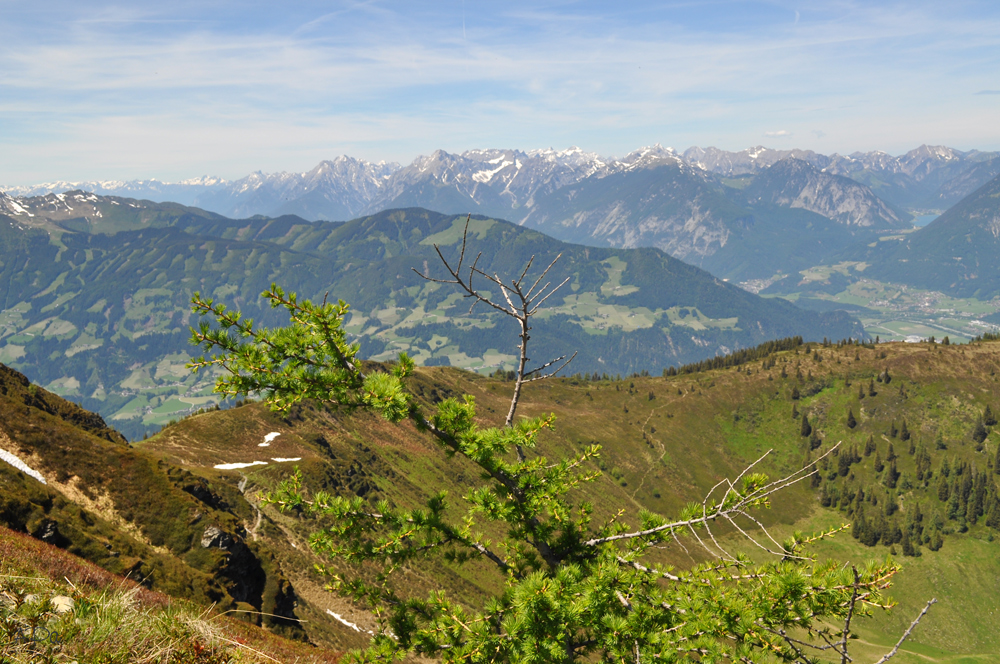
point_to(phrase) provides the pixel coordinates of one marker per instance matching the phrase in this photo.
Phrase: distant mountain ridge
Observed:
(958, 253)
(345, 187)
(745, 216)
(796, 183)
(913, 179)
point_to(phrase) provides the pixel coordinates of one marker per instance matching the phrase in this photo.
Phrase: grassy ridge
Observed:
(666, 440)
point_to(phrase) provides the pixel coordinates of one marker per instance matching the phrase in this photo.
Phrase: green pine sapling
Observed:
(572, 589)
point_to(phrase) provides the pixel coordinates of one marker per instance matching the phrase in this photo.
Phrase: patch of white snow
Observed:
(283, 460)
(337, 616)
(13, 460)
(485, 176)
(235, 466)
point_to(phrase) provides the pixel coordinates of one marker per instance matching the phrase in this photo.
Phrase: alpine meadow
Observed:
(535, 332)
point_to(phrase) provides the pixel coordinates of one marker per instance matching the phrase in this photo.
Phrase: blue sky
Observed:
(172, 90)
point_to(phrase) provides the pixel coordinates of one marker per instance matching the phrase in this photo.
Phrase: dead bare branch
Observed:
(722, 509)
(906, 634)
(548, 364)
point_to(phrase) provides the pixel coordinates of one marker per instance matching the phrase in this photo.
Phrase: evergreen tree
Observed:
(878, 465)
(939, 442)
(970, 513)
(979, 432)
(795, 412)
(806, 428)
(889, 505)
(861, 392)
(965, 488)
(795, 392)
(893, 431)
(814, 440)
(924, 462)
(890, 455)
(851, 422)
(870, 445)
(993, 516)
(904, 433)
(871, 535)
(908, 549)
(568, 589)
(891, 475)
(871, 388)
(844, 465)
(943, 490)
(857, 505)
(996, 462)
(859, 527)
(988, 418)
(825, 499)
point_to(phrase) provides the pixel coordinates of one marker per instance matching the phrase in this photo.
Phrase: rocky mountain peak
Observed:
(648, 156)
(796, 183)
(751, 160)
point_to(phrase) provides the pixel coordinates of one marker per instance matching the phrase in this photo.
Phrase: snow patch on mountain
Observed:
(15, 461)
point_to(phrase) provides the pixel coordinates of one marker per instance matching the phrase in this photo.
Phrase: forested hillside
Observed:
(100, 312)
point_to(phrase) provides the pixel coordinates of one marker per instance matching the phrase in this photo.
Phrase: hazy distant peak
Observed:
(204, 181)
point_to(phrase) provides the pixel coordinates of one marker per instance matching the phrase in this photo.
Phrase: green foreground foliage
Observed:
(572, 589)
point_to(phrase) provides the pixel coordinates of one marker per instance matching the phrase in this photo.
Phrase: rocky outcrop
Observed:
(797, 184)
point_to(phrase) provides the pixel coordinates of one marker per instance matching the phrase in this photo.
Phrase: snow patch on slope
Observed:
(236, 466)
(13, 460)
(338, 617)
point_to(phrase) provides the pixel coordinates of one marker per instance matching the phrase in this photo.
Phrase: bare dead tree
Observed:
(519, 303)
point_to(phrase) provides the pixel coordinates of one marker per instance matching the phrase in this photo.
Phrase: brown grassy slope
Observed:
(117, 507)
(24, 559)
(659, 452)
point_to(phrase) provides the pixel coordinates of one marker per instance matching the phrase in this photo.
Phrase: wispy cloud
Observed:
(988, 92)
(223, 88)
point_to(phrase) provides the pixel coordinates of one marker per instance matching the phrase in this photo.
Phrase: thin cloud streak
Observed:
(542, 76)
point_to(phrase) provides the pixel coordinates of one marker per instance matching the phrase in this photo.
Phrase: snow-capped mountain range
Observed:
(735, 213)
(504, 181)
